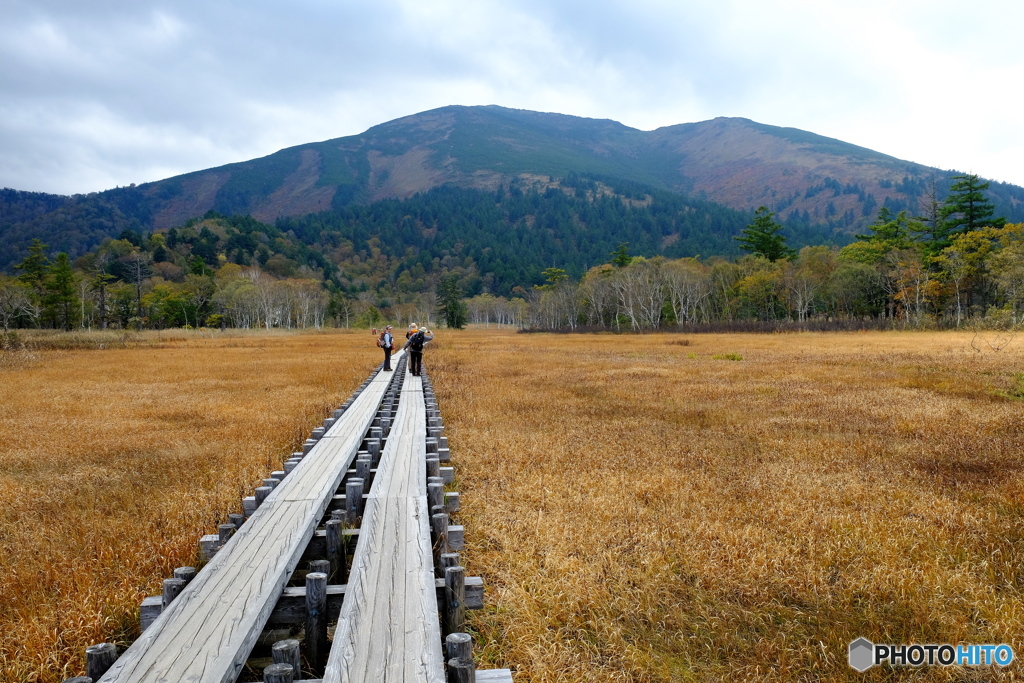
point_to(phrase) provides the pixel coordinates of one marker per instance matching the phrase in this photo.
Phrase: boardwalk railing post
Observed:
(433, 467)
(439, 527)
(455, 599)
(279, 673)
(186, 574)
(435, 494)
(461, 668)
(353, 499)
(287, 652)
(336, 550)
(316, 618)
(171, 589)
(261, 494)
(99, 658)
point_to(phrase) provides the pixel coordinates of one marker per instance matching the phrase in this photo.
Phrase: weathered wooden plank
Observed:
(388, 629)
(493, 676)
(219, 616)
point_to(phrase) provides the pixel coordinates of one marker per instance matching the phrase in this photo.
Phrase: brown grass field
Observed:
(640, 510)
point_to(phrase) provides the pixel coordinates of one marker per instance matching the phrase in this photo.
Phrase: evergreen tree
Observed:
(763, 237)
(35, 268)
(62, 297)
(621, 257)
(966, 208)
(894, 230)
(453, 309)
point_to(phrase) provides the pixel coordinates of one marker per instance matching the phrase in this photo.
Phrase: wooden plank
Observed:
(207, 633)
(493, 676)
(388, 629)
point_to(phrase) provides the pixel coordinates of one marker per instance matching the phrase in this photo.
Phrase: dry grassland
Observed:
(113, 462)
(641, 510)
(644, 512)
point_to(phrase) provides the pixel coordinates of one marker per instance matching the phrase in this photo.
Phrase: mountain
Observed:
(818, 185)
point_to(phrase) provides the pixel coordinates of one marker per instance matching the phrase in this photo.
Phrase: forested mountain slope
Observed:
(819, 186)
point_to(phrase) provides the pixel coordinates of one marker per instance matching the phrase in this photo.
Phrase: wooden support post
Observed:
(353, 499)
(318, 433)
(316, 618)
(431, 444)
(450, 560)
(271, 482)
(373, 448)
(433, 467)
(171, 589)
(78, 679)
(363, 468)
(237, 518)
(451, 502)
(328, 423)
(320, 566)
(224, 532)
(435, 495)
(279, 673)
(455, 599)
(459, 646)
(461, 672)
(439, 527)
(99, 658)
(287, 652)
(336, 551)
(261, 494)
(307, 446)
(186, 574)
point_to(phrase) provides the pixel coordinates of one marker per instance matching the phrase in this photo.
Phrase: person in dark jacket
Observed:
(387, 342)
(417, 340)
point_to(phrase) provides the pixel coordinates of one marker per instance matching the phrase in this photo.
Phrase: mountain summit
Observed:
(808, 179)
(733, 161)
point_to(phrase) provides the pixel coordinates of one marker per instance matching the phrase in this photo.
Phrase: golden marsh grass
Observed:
(643, 511)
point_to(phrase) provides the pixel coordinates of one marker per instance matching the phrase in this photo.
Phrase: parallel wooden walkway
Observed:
(388, 629)
(208, 631)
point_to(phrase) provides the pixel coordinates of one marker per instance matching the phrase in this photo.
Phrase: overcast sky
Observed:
(107, 92)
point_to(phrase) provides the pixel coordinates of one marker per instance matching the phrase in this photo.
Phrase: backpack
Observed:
(416, 342)
(382, 344)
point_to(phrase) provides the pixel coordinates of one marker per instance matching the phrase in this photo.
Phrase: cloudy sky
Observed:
(108, 92)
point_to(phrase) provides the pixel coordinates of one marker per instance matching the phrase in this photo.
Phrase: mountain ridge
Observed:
(809, 179)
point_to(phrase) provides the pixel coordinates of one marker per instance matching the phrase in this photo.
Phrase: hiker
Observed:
(386, 341)
(417, 340)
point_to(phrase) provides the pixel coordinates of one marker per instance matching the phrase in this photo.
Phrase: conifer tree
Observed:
(453, 309)
(763, 237)
(966, 208)
(62, 297)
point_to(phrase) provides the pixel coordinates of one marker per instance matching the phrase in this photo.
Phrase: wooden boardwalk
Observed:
(388, 629)
(208, 631)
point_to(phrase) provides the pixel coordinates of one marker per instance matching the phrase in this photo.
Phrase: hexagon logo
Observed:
(862, 653)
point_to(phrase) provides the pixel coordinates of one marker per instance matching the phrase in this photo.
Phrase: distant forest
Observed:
(552, 256)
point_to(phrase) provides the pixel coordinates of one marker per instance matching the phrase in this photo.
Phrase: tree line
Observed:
(955, 263)
(414, 261)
